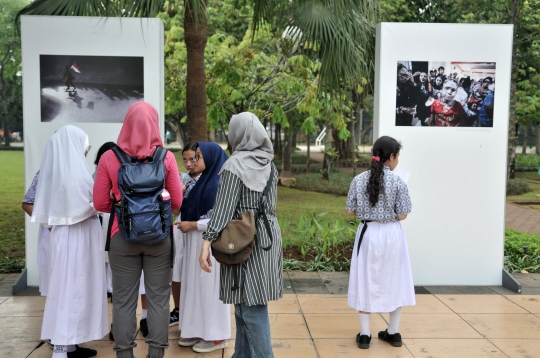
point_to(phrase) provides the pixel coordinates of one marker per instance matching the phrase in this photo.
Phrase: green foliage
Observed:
(517, 187)
(11, 215)
(339, 184)
(516, 257)
(321, 242)
(10, 66)
(527, 161)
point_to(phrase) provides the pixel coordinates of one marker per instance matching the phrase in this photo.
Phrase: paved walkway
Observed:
(521, 218)
(314, 320)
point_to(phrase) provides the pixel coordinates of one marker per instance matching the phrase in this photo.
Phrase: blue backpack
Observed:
(143, 216)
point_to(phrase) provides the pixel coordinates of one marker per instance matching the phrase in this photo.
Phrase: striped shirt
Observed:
(261, 276)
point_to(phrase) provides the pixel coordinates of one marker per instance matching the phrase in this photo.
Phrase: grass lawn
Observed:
(532, 195)
(292, 204)
(11, 214)
(528, 175)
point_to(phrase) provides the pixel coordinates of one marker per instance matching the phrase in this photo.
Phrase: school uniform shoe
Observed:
(81, 352)
(393, 339)
(144, 327)
(363, 341)
(208, 346)
(173, 320)
(188, 342)
(111, 337)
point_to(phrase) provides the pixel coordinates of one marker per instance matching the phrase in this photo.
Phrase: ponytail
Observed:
(383, 148)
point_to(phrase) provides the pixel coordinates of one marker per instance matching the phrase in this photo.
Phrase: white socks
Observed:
(59, 351)
(364, 324)
(144, 313)
(393, 325)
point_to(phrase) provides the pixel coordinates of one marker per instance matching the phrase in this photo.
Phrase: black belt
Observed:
(364, 228)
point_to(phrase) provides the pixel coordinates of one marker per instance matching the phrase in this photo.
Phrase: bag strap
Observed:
(109, 228)
(121, 155)
(262, 205)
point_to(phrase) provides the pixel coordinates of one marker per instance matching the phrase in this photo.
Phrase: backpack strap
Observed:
(121, 155)
(262, 204)
(109, 228)
(159, 154)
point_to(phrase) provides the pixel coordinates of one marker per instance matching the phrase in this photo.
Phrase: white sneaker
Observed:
(188, 342)
(209, 346)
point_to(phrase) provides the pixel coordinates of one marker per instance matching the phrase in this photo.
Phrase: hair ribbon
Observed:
(375, 158)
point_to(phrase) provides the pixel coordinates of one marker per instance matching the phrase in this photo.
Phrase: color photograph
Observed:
(445, 93)
(96, 89)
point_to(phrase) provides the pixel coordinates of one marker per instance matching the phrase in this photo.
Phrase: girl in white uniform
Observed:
(76, 304)
(381, 278)
(204, 319)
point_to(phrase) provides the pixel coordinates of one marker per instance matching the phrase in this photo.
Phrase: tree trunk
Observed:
(286, 169)
(354, 147)
(525, 139)
(6, 129)
(512, 138)
(278, 152)
(327, 146)
(537, 141)
(308, 136)
(195, 37)
(174, 123)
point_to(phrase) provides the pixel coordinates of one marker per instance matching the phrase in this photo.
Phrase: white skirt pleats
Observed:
(76, 304)
(381, 278)
(43, 259)
(202, 314)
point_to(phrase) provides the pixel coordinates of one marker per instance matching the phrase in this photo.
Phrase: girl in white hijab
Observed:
(76, 306)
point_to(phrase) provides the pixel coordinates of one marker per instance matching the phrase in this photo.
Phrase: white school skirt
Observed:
(43, 259)
(76, 304)
(202, 314)
(381, 278)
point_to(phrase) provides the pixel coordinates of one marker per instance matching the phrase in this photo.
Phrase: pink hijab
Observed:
(139, 135)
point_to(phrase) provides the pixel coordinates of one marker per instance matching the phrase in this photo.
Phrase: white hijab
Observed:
(252, 151)
(64, 189)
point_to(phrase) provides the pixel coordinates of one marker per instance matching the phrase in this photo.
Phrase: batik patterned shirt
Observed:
(393, 200)
(30, 195)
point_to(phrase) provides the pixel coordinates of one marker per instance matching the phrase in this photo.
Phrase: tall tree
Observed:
(10, 64)
(338, 33)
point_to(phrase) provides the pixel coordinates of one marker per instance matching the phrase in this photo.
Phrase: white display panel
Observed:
(102, 91)
(458, 174)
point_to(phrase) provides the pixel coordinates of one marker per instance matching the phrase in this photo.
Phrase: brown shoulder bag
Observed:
(237, 240)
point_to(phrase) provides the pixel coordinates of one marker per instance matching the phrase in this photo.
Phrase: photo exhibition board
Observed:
(111, 63)
(457, 181)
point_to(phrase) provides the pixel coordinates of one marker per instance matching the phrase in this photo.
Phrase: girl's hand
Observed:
(186, 226)
(204, 259)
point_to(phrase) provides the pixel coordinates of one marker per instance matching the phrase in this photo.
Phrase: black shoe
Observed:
(111, 337)
(393, 339)
(144, 327)
(82, 352)
(173, 319)
(363, 341)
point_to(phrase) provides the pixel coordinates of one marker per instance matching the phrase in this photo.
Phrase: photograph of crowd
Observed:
(445, 93)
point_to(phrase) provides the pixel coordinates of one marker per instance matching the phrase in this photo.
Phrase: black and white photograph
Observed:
(445, 93)
(95, 89)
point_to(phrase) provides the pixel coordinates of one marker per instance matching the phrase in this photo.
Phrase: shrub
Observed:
(318, 245)
(338, 185)
(527, 161)
(517, 187)
(516, 257)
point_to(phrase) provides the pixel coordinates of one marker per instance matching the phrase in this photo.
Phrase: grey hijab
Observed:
(252, 151)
